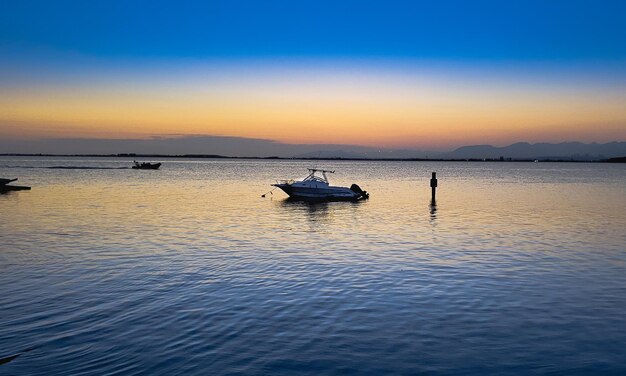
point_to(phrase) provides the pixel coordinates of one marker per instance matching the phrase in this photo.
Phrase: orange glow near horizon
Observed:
(385, 110)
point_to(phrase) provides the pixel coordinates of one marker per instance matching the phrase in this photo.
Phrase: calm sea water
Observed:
(519, 268)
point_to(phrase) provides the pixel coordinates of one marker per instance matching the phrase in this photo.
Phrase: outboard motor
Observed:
(356, 189)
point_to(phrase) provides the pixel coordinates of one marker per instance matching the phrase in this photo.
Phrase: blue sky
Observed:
(444, 30)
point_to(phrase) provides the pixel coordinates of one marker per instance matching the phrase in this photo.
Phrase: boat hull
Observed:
(318, 193)
(147, 166)
(9, 188)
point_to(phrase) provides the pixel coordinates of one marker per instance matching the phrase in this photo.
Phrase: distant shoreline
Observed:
(216, 156)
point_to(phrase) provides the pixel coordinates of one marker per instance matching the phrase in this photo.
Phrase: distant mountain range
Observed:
(523, 150)
(248, 147)
(519, 151)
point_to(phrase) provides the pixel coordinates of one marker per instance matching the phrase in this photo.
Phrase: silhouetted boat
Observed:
(146, 166)
(317, 187)
(5, 187)
(6, 181)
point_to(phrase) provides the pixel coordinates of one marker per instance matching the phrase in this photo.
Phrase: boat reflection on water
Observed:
(310, 206)
(319, 210)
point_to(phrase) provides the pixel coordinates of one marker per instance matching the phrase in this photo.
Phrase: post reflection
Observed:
(433, 211)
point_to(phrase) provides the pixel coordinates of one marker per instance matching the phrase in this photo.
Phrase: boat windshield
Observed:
(314, 175)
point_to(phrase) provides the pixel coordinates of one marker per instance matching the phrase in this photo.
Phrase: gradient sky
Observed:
(390, 74)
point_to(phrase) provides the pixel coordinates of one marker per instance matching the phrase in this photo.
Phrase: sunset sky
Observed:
(412, 74)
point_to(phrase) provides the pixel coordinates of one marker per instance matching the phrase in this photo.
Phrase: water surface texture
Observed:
(519, 268)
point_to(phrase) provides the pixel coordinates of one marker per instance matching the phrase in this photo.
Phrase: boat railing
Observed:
(288, 181)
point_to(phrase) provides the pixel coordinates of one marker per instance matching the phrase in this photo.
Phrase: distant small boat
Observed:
(146, 166)
(316, 187)
(5, 187)
(6, 181)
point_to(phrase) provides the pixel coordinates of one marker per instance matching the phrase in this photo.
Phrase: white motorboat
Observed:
(316, 187)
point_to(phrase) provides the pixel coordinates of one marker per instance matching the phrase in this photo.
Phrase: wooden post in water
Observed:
(433, 185)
